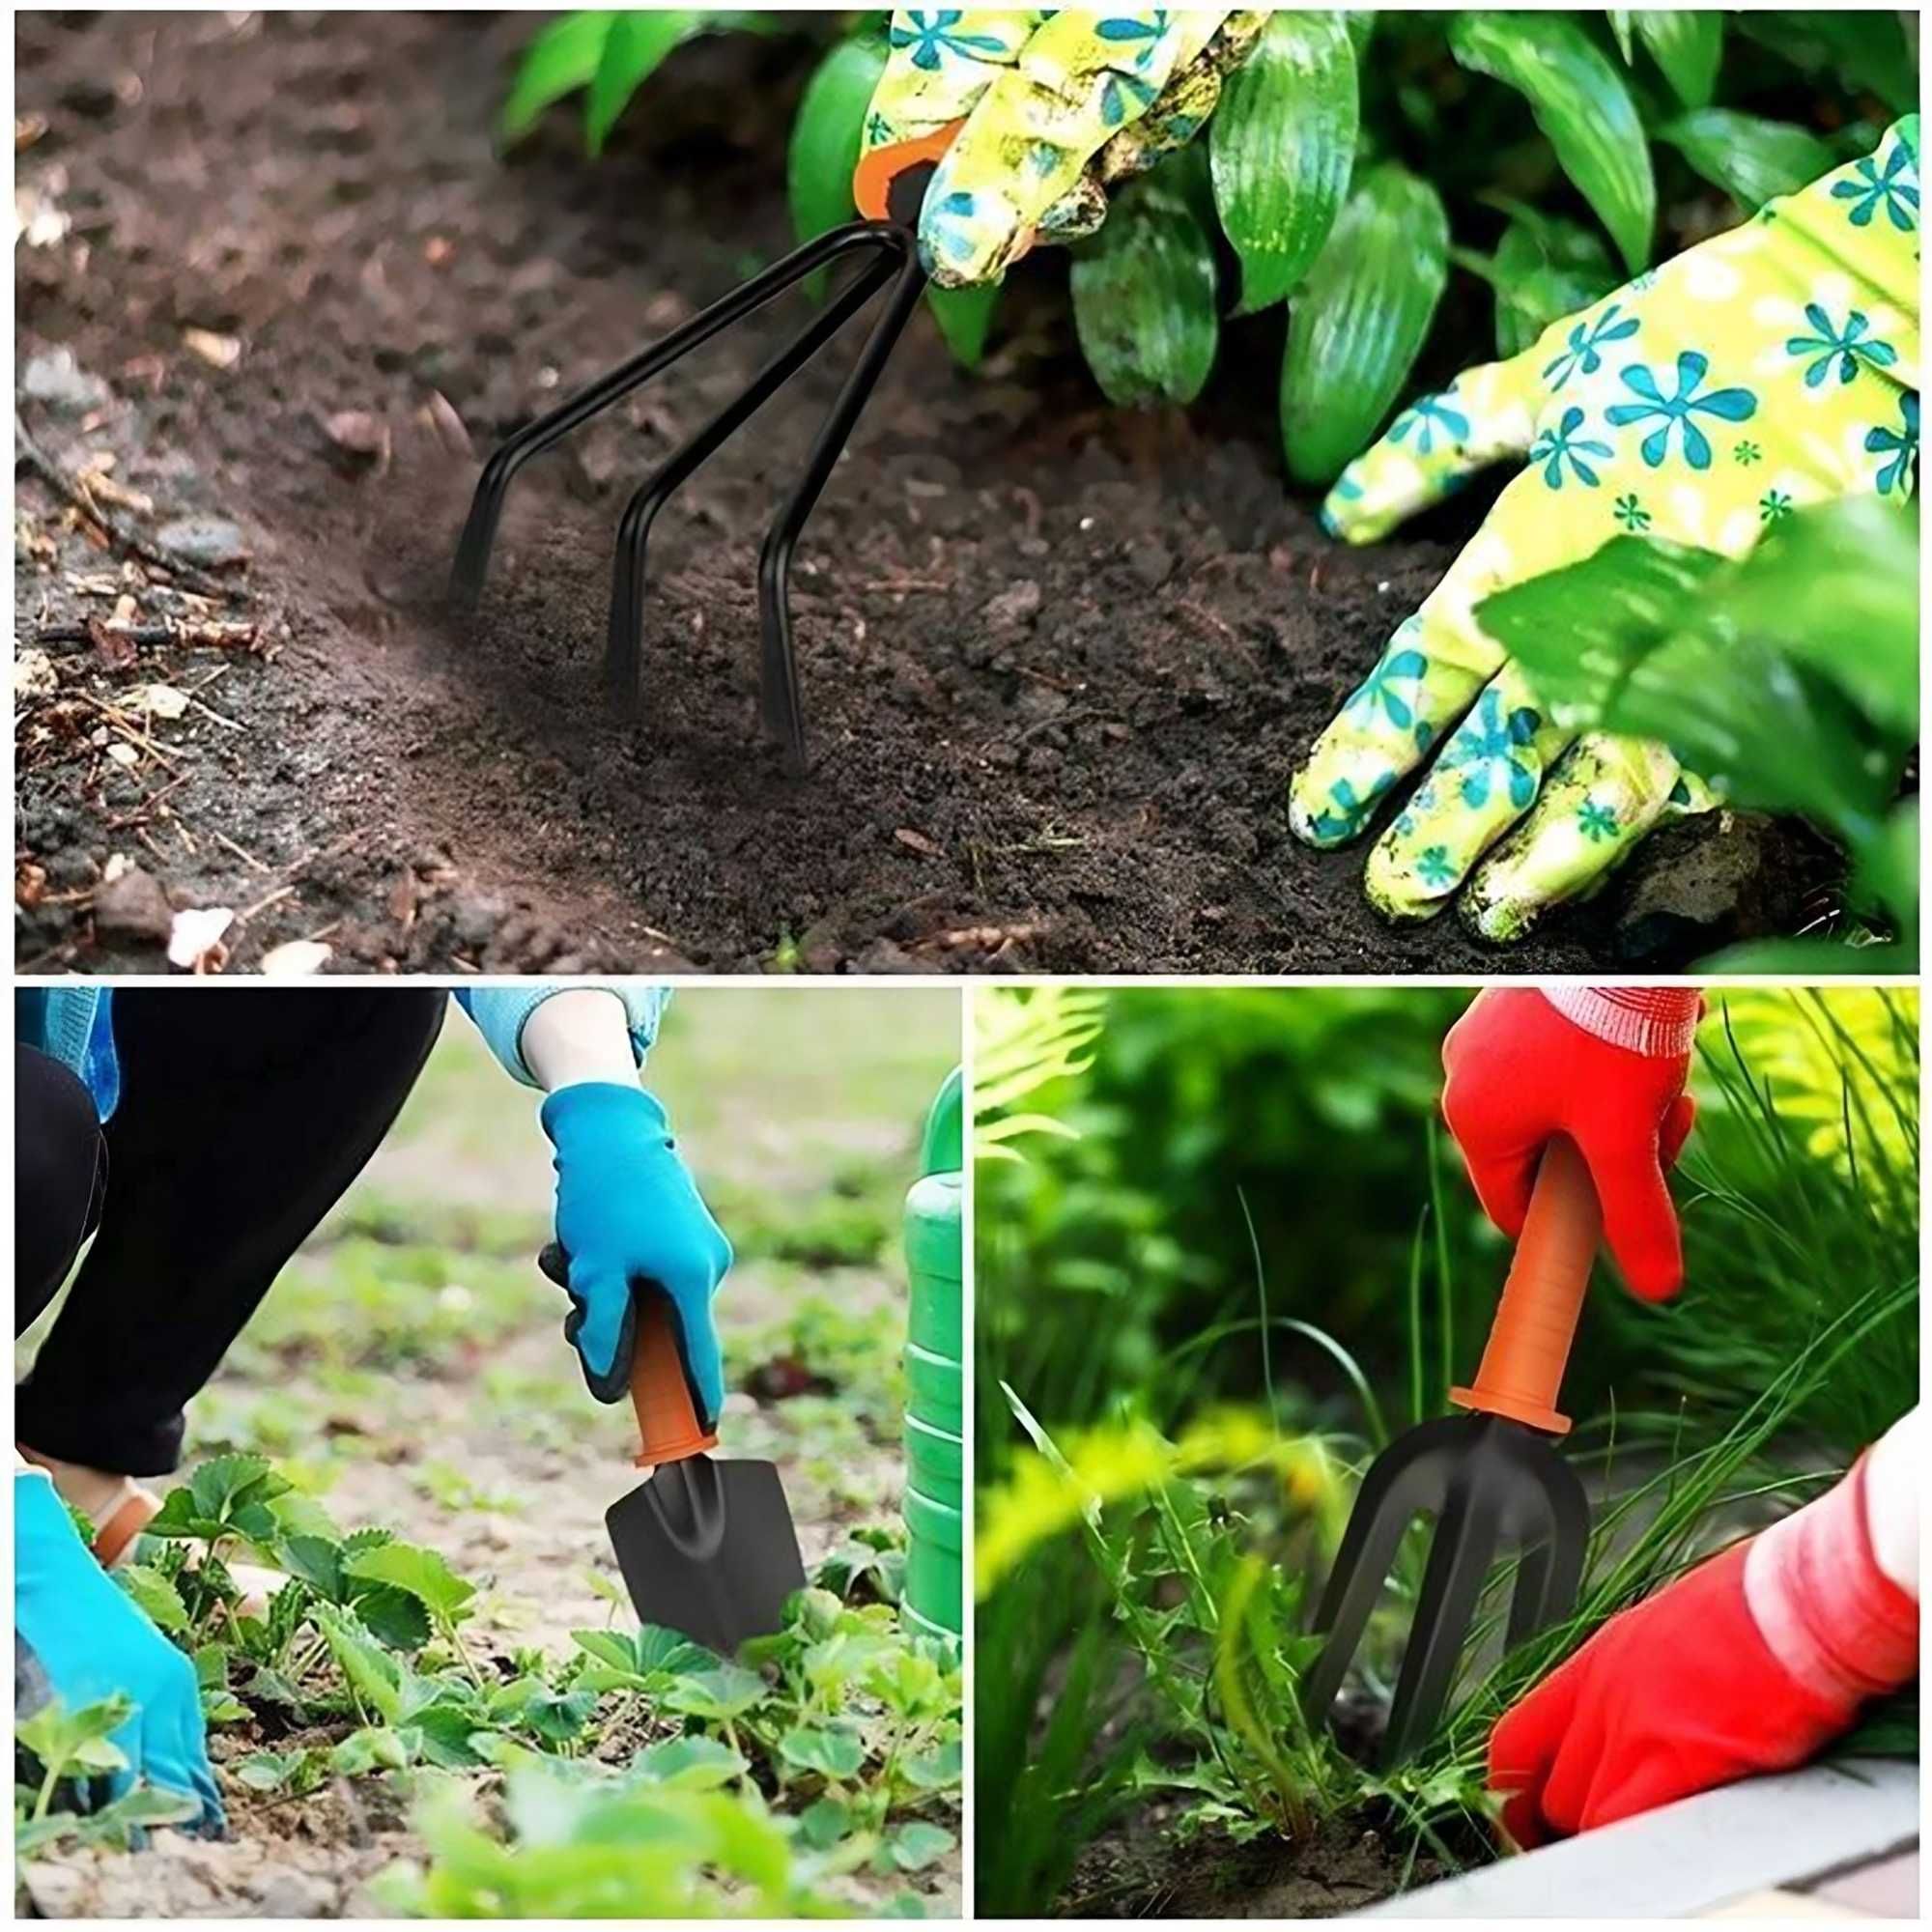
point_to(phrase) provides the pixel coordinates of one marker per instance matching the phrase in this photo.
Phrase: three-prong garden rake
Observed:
(888, 257)
(1490, 1477)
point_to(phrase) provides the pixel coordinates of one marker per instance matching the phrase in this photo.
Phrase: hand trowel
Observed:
(707, 1547)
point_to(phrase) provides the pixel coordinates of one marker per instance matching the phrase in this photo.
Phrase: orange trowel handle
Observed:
(1522, 1370)
(667, 1426)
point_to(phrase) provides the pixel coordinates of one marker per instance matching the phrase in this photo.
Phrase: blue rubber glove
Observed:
(91, 1640)
(628, 1215)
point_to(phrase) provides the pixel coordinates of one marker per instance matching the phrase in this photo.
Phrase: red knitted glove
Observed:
(1747, 1664)
(1604, 1065)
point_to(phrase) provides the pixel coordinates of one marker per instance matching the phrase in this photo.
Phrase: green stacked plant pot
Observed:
(935, 1496)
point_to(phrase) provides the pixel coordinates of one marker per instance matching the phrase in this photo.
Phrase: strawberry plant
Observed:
(830, 1748)
(1365, 173)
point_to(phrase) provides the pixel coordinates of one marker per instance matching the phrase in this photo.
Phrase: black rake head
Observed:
(1488, 1483)
(888, 259)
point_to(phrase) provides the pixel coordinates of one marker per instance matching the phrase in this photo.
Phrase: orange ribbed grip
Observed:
(667, 1425)
(1522, 1370)
(873, 178)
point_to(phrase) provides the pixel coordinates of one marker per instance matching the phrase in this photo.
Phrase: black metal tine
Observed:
(1529, 1598)
(622, 658)
(1459, 1562)
(479, 531)
(1396, 1488)
(778, 683)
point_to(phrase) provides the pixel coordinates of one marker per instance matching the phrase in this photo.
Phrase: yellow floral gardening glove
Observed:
(1030, 112)
(1771, 366)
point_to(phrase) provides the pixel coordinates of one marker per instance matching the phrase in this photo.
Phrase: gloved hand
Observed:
(1030, 113)
(90, 1641)
(1747, 1664)
(630, 1221)
(1604, 1065)
(1769, 367)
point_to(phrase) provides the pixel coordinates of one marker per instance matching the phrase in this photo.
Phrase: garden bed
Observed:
(1059, 659)
(409, 1374)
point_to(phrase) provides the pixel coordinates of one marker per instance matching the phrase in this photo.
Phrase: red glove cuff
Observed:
(1830, 1616)
(1658, 1022)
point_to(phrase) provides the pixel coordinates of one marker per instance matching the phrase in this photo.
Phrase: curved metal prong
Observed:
(783, 717)
(479, 531)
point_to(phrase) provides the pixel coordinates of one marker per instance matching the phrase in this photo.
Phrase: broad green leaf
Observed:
(823, 1824)
(373, 1747)
(1866, 46)
(560, 60)
(1687, 44)
(1621, 20)
(1360, 22)
(420, 1571)
(1144, 300)
(156, 1594)
(690, 1763)
(826, 133)
(1282, 145)
(934, 1770)
(715, 1695)
(1581, 103)
(965, 318)
(1355, 330)
(58, 1737)
(839, 1754)
(1545, 269)
(371, 1673)
(393, 1616)
(318, 1562)
(1751, 159)
(634, 50)
(916, 1845)
(1836, 586)
(1578, 631)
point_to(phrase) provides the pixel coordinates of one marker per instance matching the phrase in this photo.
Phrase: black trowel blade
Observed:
(709, 1549)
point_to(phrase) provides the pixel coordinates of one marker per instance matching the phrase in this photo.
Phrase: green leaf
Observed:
(560, 60)
(826, 135)
(1545, 269)
(965, 318)
(420, 1571)
(1577, 631)
(318, 1562)
(1355, 331)
(823, 1824)
(370, 1672)
(59, 1737)
(634, 50)
(1282, 145)
(691, 1763)
(1753, 160)
(391, 1615)
(1581, 103)
(1741, 668)
(715, 1695)
(936, 1770)
(156, 1594)
(1621, 19)
(916, 1845)
(837, 1752)
(1865, 48)
(1687, 44)
(373, 1747)
(1144, 300)
(1835, 586)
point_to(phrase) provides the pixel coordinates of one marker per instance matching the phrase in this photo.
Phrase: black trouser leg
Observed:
(244, 1114)
(60, 1164)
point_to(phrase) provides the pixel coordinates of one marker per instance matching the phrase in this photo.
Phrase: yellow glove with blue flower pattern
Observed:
(1030, 113)
(1771, 367)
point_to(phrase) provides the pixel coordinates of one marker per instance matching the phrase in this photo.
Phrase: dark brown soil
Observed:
(1135, 1872)
(1058, 660)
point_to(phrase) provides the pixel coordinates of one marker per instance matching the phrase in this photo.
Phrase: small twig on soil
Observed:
(120, 721)
(152, 636)
(981, 938)
(28, 454)
(242, 853)
(262, 905)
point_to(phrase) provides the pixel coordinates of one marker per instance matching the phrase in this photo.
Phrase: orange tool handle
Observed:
(668, 1426)
(878, 170)
(1522, 1370)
